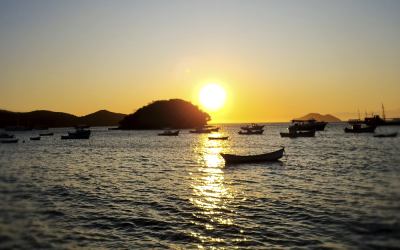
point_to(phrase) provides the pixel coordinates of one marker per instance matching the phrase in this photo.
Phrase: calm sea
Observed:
(137, 190)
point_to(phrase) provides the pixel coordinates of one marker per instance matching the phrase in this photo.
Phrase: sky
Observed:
(277, 60)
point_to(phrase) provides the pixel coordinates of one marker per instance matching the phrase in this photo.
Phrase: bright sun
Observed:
(212, 97)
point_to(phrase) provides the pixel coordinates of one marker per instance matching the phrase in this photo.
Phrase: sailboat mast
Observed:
(383, 113)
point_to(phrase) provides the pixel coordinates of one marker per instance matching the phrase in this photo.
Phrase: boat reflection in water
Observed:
(211, 196)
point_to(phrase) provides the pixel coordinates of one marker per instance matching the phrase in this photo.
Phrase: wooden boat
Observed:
(308, 125)
(37, 138)
(46, 134)
(386, 135)
(5, 135)
(294, 133)
(83, 136)
(359, 129)
(9, 141)
(200, 131)
(251, 132)
(253, 126)
(218, 138)
(169, 133)
(273, 156)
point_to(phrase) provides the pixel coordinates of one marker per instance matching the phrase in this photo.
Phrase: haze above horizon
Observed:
(276, 60)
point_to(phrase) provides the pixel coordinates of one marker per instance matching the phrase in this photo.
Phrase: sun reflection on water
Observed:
(210, 194)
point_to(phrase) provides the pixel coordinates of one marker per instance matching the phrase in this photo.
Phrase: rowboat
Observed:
(386, 135)
(37, 138)
(273, 156)
(169, 133)
(251, 132)
(218, 138)
(9, 141)
(46, 134)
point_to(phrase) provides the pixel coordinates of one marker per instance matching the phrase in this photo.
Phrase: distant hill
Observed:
(318, 117)
(173, 113)
(58, 119)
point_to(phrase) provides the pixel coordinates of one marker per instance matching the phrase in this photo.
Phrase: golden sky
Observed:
(277, 60)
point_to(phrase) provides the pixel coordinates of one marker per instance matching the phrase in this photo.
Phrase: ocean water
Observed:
(137, 190)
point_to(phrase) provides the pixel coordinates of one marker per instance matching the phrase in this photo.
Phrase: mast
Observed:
(359, 115)
(383, 113)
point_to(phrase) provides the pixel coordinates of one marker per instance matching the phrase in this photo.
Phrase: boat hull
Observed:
(218, 138)
(9, 141)
(273, 156)
(299, 134)
(169, 134)
(386, 135)
(34, 138)
(66, 137)
(250, 132)
(318, 127)
(46, 134)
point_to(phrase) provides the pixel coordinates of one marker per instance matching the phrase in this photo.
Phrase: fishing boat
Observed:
(293, 132)
(9, 141)
(357, 128)
(36, 138)
(5, 135)
(253, 126)
(251, 132)
(46, 134)
(272, 156)
(218, 138)
(308, 125)
(378, 121)
(201, 131)
(386, 135)
(169, 133)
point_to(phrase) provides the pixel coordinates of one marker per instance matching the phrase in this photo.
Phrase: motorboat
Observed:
(253, 126)
(293, 132)
(308, 125)
(46, 134)
(9, 141)
(201, 131)
(251, 132)
(36, 138)
(218, 138)
(5, 135)
(386, 135)
(357, 128)
(80, 131)
(272, 156)
(169, 133)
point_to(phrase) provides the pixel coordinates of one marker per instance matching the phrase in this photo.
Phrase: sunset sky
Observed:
(277, 60)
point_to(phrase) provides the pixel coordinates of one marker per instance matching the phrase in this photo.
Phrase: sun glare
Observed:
(212, 97)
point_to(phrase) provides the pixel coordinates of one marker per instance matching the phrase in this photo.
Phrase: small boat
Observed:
(37, 138)
(169, 133)
(308, 125)
(251, 132)
(218, 138)
(357, 128)
(386, 135)
(5, 135)
(201, 131)
(80, 131)
(46, 134)
(9, 141)
(294, 133)
(83, 136)
(273, 156)
(253, 126)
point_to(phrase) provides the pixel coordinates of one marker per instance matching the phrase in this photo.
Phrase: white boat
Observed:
(273, 156)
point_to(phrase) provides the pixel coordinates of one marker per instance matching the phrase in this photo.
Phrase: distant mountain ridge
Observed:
(319, 117)
(58, 119)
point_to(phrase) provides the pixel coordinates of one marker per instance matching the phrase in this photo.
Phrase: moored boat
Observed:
(46, 134)
(272, 156)
(360, 129)
(5, 135)
(218, 138)
(386, 135)
(36, 138)
(169, 133)
(9, 141)
(308, 125)
(293, 132)
(251, 132)
(201, 131)
(253, 126)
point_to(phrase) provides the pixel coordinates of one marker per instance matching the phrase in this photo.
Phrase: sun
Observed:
(212, 97)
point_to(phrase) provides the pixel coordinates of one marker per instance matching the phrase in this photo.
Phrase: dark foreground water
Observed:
(137, 190)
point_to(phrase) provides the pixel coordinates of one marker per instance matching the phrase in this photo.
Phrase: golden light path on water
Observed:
(210, 194)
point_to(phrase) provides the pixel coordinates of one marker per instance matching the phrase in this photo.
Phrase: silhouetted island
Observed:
(318, 117)
(43, 119)
(173, 113)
